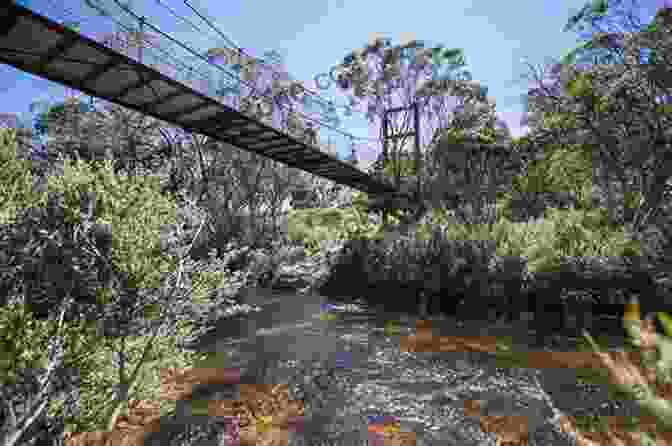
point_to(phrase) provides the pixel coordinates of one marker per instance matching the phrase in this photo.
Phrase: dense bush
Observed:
(428, 257)
(97, 241)
(311, 226)
(404, 266)
(563, 232)
(15, 179)
(124, 227)
(473, 263)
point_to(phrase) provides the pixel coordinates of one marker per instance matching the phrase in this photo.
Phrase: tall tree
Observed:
(605, 17)
(615, 110)
(380, 77)
(383, 77)
(263, 89)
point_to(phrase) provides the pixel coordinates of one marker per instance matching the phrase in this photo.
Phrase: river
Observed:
(359, 370)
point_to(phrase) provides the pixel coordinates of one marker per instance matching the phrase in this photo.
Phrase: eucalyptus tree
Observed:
(616, 17)
(615, 111)
(383, 77)
(246, 190)
(375, 73)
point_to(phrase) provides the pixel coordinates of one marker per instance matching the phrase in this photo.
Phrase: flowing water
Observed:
(349, 368)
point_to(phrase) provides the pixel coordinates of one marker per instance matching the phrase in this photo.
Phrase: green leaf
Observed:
(599, 7)
(664, 108)
(212, 360)
(666, 321)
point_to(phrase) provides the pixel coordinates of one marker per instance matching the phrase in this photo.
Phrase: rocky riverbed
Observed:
(349, 368)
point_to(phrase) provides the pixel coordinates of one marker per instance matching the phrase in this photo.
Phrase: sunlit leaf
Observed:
(666, 322)
(664, 108)
(599, 7)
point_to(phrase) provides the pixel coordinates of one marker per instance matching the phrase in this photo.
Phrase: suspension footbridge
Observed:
(38, 45)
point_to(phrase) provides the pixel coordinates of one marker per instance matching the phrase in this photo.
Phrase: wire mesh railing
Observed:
(240, 82)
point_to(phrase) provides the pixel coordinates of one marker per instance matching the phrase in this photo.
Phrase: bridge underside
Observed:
(40, 46)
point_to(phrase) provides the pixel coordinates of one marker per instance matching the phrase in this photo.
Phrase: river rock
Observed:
(308, 273)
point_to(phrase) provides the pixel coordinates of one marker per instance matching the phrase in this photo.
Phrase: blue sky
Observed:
(312, 36)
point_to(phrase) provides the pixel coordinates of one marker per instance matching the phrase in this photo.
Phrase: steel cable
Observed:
(307, 118)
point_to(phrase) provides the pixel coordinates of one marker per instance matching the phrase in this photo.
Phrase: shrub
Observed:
(121, 201)
(311, 226)
(116, 204)
(563, 232)
(15, 179)
(436, 264)
(107, 241)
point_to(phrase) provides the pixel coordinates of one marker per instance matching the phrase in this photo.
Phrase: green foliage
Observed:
(314, 225)
(438, 217)
(599, 7)
(122, 202)
(632, 199)
(588, 233)
(24, 344)
(544, 242)
(559, 121)
(666, 321)
(311, 226)
(583, 231)
(454, 136)
(485, 135)
(436, 263)
(579, 85)
(664, 108)
(564, 168)
(97, 386)
(406, 168)
(24, 340)
(15, 179)
(135, 255)
(203, 282)
(360, 201)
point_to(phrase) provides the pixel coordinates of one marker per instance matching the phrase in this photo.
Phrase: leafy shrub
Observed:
(314, 225)
(15, 179)
(561, 177)
(436, 264)
(203, 282)
(94, 222)
(406, 167)
(24, 340)
(121, 201)
(24, 343)
(566, 232)
(43, 260)
(116, 202)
